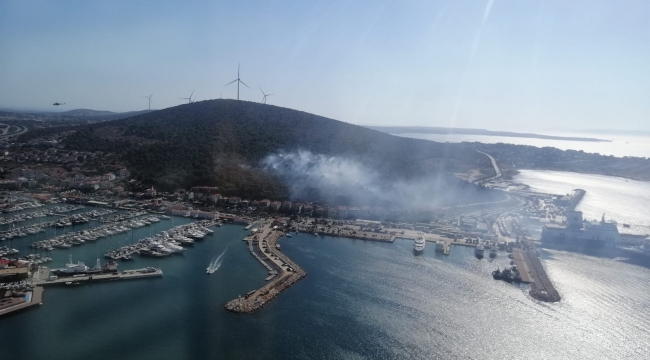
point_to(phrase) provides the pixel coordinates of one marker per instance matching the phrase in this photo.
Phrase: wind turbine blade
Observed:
(191, 94)
(151, 95)
(231, 82)
(261, 90)
(269, 94)
(244, 84)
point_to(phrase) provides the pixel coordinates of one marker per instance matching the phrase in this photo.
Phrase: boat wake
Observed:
(215, 264)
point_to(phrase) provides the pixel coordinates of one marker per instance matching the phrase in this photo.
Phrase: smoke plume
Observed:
(345, 181)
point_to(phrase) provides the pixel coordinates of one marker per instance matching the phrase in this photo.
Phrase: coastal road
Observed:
(497, 171)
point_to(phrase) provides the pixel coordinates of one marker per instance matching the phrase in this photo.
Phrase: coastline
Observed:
(401, 130)
(515, 172)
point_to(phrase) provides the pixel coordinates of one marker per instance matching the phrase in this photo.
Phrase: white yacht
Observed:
(419, 244)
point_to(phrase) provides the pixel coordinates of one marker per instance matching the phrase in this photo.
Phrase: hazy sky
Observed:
(501, 65)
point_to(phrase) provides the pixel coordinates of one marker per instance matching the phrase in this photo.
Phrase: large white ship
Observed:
(419, 244)
(579, 234)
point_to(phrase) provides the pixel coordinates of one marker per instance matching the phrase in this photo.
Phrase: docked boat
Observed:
(419, 244)
(507, 275)
(440, 247)
(71, 269)
(493, 252)
(479, 251)
(109, 267)
(496, 274)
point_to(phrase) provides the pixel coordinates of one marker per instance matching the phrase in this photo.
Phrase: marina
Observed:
(172, 241)
(199, 298)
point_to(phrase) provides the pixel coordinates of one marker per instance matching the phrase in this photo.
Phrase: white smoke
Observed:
(346, 181)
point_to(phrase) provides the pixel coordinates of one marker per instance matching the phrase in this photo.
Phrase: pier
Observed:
(41, 278)
(532, 272)
(116, 276)
(35, 298)
(263, 246)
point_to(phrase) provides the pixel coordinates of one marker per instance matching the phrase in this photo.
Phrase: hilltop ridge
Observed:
(222, 142)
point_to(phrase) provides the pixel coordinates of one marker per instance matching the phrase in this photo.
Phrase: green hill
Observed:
(222, 142)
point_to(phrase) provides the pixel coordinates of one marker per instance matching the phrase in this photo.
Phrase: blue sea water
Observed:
(360, 300)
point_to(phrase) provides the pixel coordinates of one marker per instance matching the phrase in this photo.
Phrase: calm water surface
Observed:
(359, 300)
(626, 201)
(619, 145)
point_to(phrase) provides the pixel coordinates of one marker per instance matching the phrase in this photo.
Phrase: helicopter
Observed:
(57, 104)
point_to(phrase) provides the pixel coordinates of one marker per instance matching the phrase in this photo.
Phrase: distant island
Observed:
(462, 131)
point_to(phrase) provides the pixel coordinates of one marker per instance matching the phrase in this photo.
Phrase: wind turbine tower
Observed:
(149, 97)
(265, 95)
(189, 99)
(238, 80)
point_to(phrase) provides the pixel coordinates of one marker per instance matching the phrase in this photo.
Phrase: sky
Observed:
(512, 65)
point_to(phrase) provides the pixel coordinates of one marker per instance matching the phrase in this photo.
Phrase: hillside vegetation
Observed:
(221, 142)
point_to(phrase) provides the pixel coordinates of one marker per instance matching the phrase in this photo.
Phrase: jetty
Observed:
(10, 305)
(532, 272)
(104, 277)
(283, 272)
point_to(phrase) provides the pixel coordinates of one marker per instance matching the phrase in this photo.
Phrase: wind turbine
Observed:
(149, 97)
(238, 80)
(265, 95)
(189, 99)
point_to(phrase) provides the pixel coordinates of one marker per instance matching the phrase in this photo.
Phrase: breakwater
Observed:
(576, 197)
(284, 272)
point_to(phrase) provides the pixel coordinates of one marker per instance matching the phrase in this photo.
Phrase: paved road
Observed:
(6, 133)
(497, 171)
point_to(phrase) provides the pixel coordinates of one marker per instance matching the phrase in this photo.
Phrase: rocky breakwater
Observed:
(289, 274)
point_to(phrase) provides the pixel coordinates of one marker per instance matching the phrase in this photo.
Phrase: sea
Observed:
(622, 200)
(360, 300)
(617, 145)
